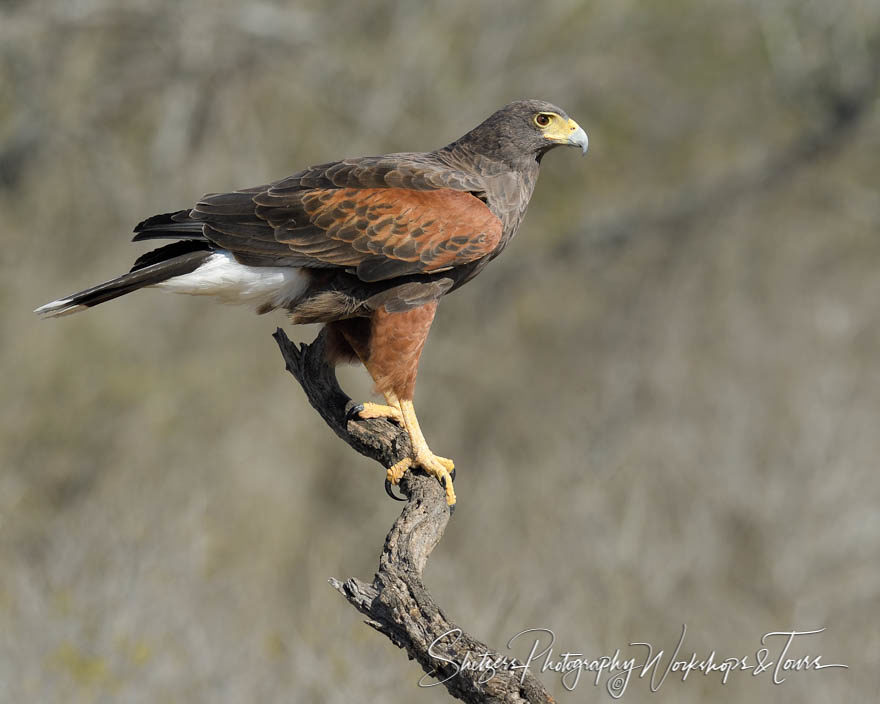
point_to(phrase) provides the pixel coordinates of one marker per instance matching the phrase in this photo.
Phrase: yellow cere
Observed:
(559, 130)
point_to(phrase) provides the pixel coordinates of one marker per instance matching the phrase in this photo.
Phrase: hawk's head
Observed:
(525, 129)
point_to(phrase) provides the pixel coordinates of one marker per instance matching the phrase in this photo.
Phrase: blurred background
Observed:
(663, 400)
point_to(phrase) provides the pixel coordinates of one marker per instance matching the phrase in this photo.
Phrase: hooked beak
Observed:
(568, 133)
(577, 137)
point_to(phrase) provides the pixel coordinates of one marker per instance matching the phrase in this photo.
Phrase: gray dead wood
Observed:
(397, 603)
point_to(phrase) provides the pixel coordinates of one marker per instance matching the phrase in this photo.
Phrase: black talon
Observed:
(391, 493)
(354, 413)
(448, 480)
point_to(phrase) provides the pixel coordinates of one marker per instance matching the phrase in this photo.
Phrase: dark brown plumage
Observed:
(364, 245)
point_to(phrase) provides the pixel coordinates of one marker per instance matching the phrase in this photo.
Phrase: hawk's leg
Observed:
(389, 345)
(349, 340)
(437, 466)
(368, 409)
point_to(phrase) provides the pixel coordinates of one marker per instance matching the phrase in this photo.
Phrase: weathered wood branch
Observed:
(397, 603)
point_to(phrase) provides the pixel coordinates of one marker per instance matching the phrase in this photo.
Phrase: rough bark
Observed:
(397, 603)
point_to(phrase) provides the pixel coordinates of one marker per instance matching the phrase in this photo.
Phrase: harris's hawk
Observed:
(366, 246)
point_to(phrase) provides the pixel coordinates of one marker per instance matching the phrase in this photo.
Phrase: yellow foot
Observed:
(440, 467)
(396, 471)
(394, 474)
(368, 409)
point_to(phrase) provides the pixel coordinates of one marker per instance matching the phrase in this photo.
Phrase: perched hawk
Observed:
(366, 246)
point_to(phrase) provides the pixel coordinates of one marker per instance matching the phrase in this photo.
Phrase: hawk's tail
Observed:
(149, 269)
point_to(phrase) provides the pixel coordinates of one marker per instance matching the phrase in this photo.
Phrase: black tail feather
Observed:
(169, 226)
(151, 268)
(170, 251)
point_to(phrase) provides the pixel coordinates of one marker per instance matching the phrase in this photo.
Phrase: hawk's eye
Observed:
(542, 119)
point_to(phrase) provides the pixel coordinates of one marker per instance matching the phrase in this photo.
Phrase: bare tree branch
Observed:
(397, 603)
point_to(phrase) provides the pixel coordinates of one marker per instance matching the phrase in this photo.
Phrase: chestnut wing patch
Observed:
(388, 232)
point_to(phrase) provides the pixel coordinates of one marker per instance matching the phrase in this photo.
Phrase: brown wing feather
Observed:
(381, 217)
(389, 232)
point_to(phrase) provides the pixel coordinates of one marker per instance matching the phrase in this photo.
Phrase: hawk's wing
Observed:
(381, 217)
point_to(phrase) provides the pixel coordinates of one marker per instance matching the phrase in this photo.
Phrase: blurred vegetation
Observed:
(663, 400)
